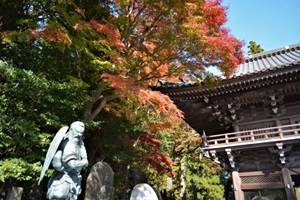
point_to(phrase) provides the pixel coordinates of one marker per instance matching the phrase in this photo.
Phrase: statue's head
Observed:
(76, 129)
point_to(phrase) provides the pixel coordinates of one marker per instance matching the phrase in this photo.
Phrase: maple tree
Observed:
(173, 38)
(111, 51)
(165, 40)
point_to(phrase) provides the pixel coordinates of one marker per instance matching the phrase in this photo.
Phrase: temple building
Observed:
(250, 123)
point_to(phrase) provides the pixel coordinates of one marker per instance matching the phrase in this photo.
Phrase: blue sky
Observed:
(271, 23)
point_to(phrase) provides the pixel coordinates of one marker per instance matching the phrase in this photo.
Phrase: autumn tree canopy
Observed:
(93, 61)
(167, 40)
(131, 43)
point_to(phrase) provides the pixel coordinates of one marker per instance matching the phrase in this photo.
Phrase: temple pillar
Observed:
(288, 184)
(237, 182)
(236, 128)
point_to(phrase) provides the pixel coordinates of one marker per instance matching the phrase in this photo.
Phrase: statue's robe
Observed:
(65, 183)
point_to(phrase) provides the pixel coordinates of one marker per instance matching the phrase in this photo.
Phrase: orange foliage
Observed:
(157, 161)
(153, 142)
(162, 158)
(140, 97)
(110, 31)
(168, 40)
(49, 34)
(215, 13)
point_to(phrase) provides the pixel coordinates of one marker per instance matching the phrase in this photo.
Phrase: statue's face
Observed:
(77, 129)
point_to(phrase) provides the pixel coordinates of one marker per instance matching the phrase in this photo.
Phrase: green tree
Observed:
(254, 48)
(53, 65)
(32, 108)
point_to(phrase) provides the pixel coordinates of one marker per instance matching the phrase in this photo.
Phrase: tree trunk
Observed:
(90, 114)
(182, 179)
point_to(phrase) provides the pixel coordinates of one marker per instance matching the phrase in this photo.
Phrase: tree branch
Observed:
(92, 115)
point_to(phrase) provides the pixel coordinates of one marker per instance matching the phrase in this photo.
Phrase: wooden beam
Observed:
(238, 192)
(289, 188)
(262, 186)
(257, 173)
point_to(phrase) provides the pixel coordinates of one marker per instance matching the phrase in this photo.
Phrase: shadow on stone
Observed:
(99, 184)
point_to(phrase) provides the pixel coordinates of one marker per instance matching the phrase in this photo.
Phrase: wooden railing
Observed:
(255, 135)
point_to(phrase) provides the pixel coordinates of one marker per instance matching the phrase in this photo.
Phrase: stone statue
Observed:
(69, 157)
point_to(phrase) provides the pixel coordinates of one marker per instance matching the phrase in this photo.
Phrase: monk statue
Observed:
(69, 157)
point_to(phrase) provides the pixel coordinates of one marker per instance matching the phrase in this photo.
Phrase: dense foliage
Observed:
(67, 60)
(32, 107)
(254, 48)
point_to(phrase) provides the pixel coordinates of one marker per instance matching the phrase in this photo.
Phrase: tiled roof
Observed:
(269, 60)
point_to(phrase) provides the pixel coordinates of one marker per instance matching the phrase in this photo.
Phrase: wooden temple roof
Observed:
(259, 74)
